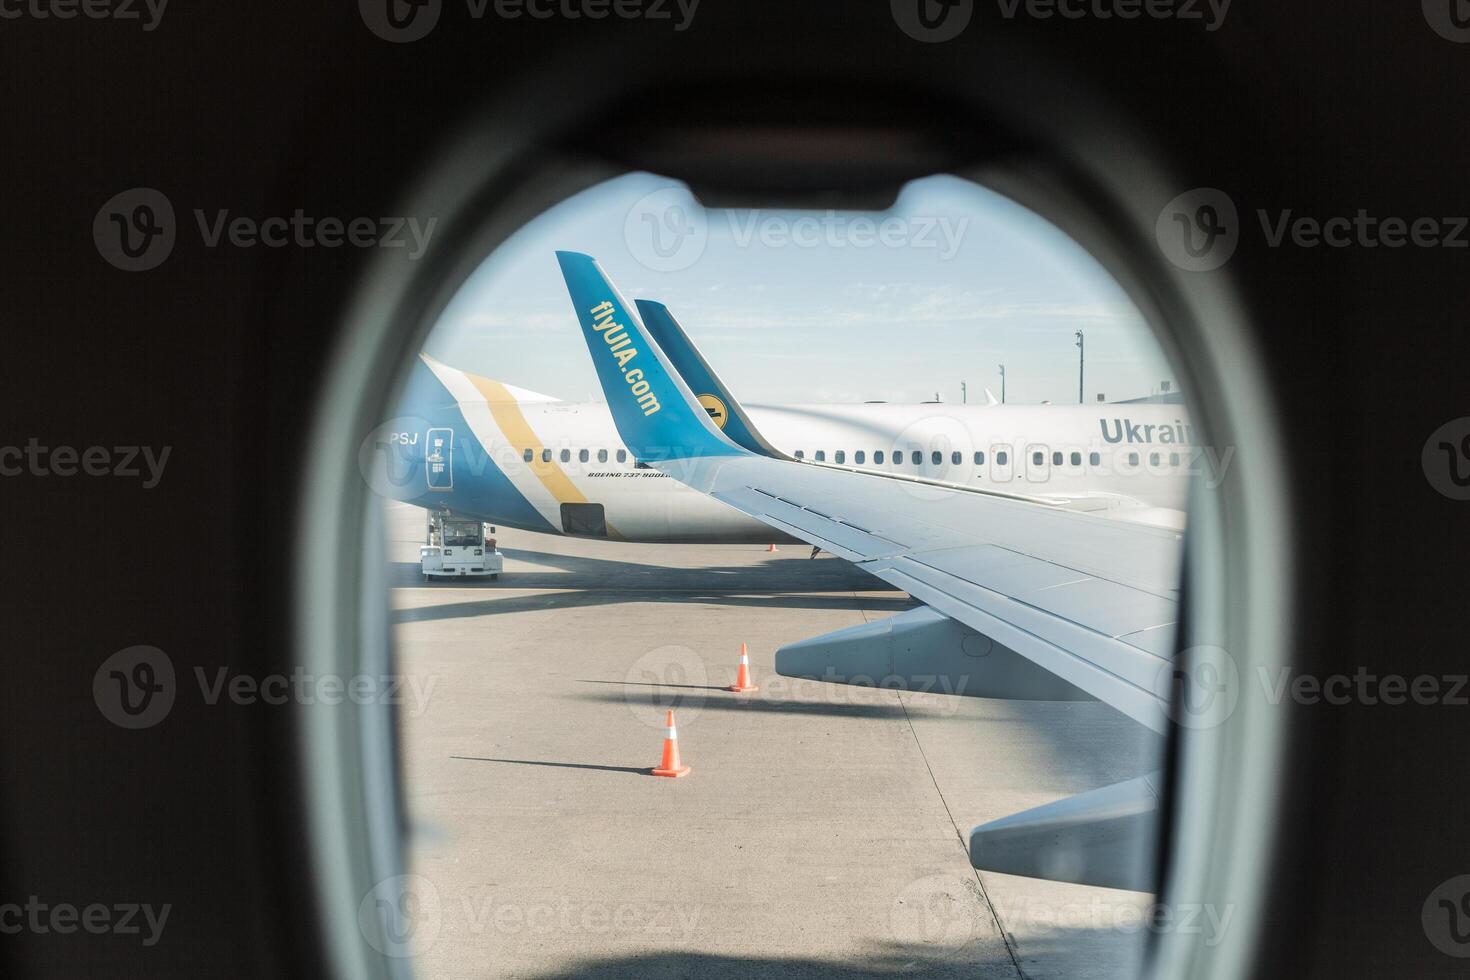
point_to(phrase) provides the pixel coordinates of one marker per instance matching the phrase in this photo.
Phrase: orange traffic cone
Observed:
(671, 766)
(742, 683)
(770, 548)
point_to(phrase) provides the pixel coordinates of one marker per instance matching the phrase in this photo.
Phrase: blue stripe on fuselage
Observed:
(479, 488)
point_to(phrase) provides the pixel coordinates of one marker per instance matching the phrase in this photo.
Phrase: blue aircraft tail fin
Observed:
(656, 414)
(718, 401)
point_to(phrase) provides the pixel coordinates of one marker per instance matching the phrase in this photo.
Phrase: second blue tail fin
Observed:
(707, 387)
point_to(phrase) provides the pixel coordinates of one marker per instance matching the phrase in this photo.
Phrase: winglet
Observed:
(656, 415)
(718, 401)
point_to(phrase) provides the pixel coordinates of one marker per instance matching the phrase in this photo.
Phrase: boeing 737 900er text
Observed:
(489, 450)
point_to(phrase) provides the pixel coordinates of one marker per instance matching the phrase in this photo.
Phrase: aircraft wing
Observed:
(1091, 600)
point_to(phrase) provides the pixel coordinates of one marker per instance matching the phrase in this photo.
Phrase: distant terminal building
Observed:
(1164, 396)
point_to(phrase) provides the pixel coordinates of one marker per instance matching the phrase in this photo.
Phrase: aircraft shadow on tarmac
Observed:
(555, 765)
(687, 687)
(796, 573)
(848, 709)
(579, 596)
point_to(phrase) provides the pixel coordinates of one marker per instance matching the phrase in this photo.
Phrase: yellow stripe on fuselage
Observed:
(512, 421)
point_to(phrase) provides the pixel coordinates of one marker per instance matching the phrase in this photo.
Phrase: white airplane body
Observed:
(523, 460)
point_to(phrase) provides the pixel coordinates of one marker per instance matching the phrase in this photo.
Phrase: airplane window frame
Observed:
(350, 781)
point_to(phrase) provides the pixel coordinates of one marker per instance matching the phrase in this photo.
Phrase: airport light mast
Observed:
(1081, 355)
(964, 396)
(1002, 384)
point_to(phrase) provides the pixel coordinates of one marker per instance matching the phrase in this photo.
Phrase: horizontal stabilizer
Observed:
(1106, 837)
(923, 650)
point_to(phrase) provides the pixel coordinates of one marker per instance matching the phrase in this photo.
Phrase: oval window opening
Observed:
(616, 556)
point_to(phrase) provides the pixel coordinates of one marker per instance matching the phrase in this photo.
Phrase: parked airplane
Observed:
(489, 450)
(1024, 597)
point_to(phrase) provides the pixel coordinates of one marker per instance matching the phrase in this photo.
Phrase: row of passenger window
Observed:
(859, 458)
(583, 455)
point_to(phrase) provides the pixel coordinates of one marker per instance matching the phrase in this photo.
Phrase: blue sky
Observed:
(811, 306)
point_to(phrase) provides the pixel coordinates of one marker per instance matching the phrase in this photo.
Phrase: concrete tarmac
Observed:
(821, 833)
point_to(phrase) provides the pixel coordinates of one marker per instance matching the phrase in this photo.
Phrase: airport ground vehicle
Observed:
(458, 547)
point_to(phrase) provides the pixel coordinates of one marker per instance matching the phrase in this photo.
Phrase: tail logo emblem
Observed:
(718, 414)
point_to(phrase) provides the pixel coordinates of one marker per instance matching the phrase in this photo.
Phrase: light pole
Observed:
(1081, 354)
(964, 394)
(1002, 384)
